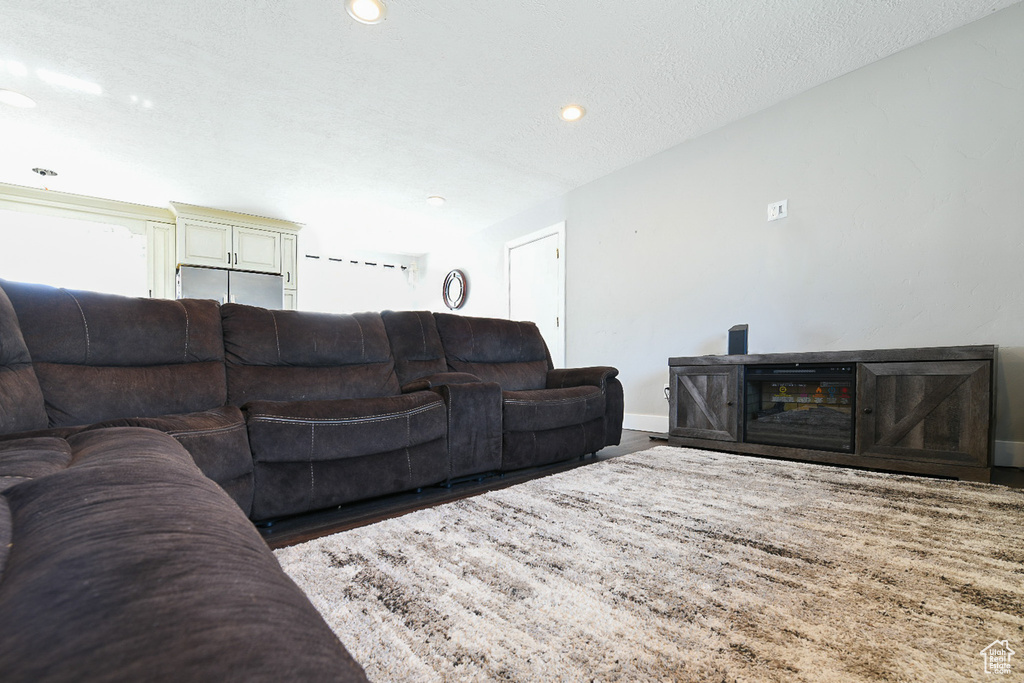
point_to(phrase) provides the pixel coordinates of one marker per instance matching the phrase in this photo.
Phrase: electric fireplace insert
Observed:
(801, 405)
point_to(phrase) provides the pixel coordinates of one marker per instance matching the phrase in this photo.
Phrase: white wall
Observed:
(482, 257)
(905, 182)
(341, 279)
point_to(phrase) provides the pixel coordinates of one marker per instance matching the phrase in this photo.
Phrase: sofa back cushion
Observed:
(21, 399)
(303, 356)
(511, 353)
(415, 344)
(104, 356)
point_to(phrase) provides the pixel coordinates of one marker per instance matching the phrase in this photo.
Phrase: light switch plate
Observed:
(777, 210)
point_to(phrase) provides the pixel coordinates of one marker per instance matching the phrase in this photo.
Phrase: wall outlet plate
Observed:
(777, 210)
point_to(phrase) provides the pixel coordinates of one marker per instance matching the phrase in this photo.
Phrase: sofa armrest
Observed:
(441, 379)
(474, 426)
(576, 377)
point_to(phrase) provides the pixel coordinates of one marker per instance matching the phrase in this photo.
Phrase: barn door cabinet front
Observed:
(930, 411)
(704, 402)
(921, 410)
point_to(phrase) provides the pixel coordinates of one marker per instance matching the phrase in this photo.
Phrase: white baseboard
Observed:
(1008, 454)
(648, 423)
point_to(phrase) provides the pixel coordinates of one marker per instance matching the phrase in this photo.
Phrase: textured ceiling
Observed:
(289, 109)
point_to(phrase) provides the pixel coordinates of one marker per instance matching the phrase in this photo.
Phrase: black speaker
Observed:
(737, 340)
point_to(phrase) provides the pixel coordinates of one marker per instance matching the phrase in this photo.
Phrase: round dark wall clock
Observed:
(455, 290)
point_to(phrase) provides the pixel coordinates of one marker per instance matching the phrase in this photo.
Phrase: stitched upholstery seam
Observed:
(423, 334)
(362, 339)
(277, 335)
(408, 439)
(346, 420)
(520, 401)
(504, 362)
(312, 480)
(185, 358)
(200, 432)
(84, 322)
(448, 438)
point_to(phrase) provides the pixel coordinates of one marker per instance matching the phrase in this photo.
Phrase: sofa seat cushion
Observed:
(217, 441)
(26, 459)
(304, 431)
(530, 449)
(129, 565)
(312, 455)
(54, 432)
(551, 408)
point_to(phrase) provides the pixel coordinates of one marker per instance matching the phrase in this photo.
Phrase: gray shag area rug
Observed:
(675, 564)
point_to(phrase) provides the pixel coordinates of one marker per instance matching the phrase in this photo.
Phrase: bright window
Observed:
(70, 253)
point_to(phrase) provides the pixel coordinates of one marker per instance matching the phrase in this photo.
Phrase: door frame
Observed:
(557, 355)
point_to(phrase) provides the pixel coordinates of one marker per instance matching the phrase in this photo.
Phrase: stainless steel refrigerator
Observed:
(230, 286)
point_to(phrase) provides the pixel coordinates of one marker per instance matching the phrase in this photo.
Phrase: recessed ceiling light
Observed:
(366, 11)
(16, 99)
(436, 200)
(573, 112)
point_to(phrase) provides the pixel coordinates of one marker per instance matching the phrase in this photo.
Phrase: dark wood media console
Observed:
(923, 411)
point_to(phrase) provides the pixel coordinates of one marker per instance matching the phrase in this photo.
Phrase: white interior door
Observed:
(536, 285)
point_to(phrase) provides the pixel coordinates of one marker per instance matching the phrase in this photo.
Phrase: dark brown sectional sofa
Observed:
(119, 560)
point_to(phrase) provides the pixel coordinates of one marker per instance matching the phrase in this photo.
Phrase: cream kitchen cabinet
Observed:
(289, 270)
(221, 245)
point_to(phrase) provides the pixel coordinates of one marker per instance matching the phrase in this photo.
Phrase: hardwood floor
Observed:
(306, 527)
(1008, 476)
